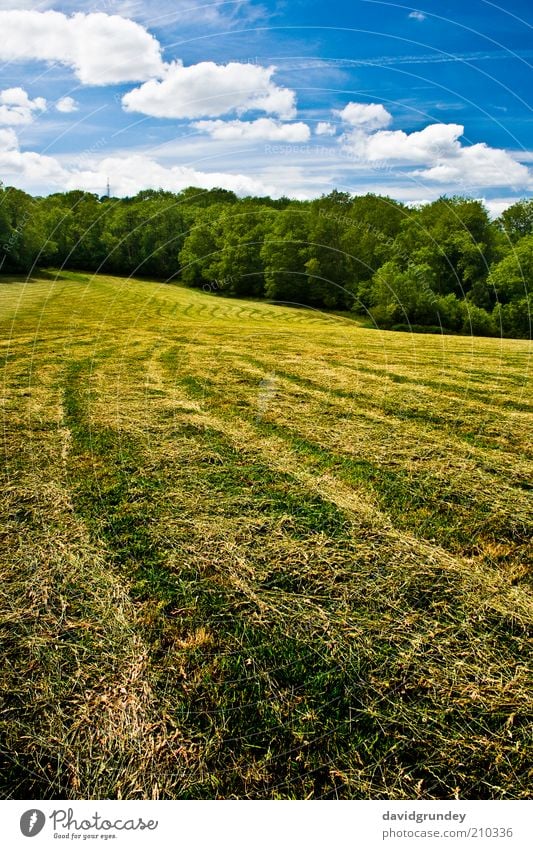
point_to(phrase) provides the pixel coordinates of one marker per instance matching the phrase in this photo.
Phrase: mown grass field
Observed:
(258, 552)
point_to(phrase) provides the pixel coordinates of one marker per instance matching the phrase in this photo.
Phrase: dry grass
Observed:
(255, 552)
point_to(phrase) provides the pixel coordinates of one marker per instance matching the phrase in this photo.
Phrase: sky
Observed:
(282, 98)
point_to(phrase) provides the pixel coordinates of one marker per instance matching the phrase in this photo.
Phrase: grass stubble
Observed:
(256, 552)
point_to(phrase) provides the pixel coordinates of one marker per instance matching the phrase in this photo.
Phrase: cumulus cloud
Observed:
(128, 174)
(324, 128)
(424, 146)
(211, 90)
(8, 140)
(479, 165)
(66, 104)
(131, 174)
(16, 107)
(370, 116)
(417, 16)
(101, 49)
(104, 49)
(496, 206)
(263, 129)
(29, 167)
(447, 160)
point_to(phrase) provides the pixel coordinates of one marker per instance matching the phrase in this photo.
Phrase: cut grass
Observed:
(250, 552)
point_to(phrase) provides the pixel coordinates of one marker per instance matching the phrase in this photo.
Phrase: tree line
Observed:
(444, 265)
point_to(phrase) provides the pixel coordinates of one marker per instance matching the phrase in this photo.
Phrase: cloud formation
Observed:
(101, 49)
(425, 146)
(447, 160)
(8, 141)
(324, 128)
(29, 167)
(16, 107)
(128, 174)
(223, 102)
(66, 104)
(263, 129)
(481, 166)
(210, 90)
(131, 174)
(370, 116)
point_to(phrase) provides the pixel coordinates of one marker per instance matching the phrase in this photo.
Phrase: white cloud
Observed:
(66, 104)
(101, 49)
(263, 129)
(417, 16)
(28, 167)
(496, 206)
(447, 161)
(17, 109)
(210, 90)
(324, 128)
(522, 155)
(481, 166)
(8, 141)
(425, 146)
(370, 116)
(131, 174)
(128, 174)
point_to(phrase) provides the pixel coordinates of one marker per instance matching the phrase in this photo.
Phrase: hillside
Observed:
(258, 552)
(443, 265)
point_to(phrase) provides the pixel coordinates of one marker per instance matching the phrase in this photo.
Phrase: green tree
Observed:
(240, 265)
(330, 266)
(450, 312)
(199, 257)
(517, 221)
(403, 296)
(162, 236)
(421, 266)
(477, 321)
(285, 253)
(374, 223)
(5, 226)
(512, 277)
(22, 228)
(514, 318)
(454, 237)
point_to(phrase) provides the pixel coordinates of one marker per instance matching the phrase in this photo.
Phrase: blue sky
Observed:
(291, 98)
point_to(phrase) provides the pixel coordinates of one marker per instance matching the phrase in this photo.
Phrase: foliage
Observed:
(512, 278)
(517, 221)
(443, 264)
(285, 254)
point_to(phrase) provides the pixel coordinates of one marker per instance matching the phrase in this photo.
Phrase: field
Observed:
(250, 551)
